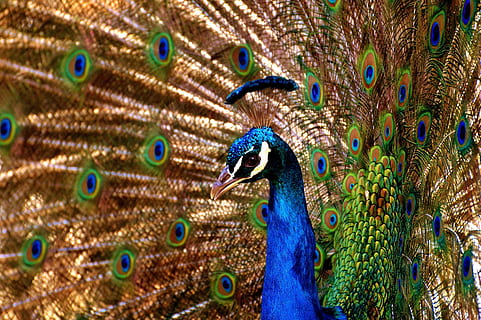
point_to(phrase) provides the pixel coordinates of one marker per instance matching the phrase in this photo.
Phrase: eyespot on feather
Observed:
(415, 274)
(388, 128)
(156, 151)
(403, 90)
(314, 91)
(260, 211)
(355, 141)
(467, 268)
(423, 127)
(468, 11)
(369, 68)
(330, 219)
(348, 183)
(34, 251)
(334, 5)
(224, 286)
(410, 205)
(242, 59)
(401, 164)
(178, 233)
(77, 66)
(320, 165)
(123, 264)
(437, 31)
(89, 184)
(463, 138)
(319, 258)
(8, 129)
(438, 229)
(162, 49)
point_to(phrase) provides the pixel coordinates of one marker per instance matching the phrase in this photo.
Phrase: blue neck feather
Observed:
(289, 286)
(290, 290)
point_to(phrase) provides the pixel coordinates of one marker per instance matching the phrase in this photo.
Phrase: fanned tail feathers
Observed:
(113, 128)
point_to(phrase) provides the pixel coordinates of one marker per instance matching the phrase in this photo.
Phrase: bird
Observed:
(290, 251)
(121, 121)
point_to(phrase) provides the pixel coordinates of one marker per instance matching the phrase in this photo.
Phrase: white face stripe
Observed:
(239, 163)
(237, 166)
(264, 155)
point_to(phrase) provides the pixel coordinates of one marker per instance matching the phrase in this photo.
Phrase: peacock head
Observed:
(260, 153)
(256, 155)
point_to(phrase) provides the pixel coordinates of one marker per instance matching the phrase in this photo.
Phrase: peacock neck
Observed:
(289, 285)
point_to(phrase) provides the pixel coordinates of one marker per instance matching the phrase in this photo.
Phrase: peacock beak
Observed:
(224, 183)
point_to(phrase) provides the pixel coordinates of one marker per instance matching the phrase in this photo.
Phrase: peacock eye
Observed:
(252, 161)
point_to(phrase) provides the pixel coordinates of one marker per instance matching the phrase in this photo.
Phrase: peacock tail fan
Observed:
(113, 129)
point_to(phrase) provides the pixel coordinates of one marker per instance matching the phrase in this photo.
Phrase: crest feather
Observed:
(260, 99)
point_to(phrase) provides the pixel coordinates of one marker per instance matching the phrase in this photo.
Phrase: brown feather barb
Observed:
(113, 128)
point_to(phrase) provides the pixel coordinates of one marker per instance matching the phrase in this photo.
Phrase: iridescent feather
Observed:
(113, 129)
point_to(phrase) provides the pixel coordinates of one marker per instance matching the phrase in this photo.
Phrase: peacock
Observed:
(210, 159)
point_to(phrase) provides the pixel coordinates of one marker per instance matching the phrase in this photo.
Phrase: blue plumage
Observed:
(289, 290)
